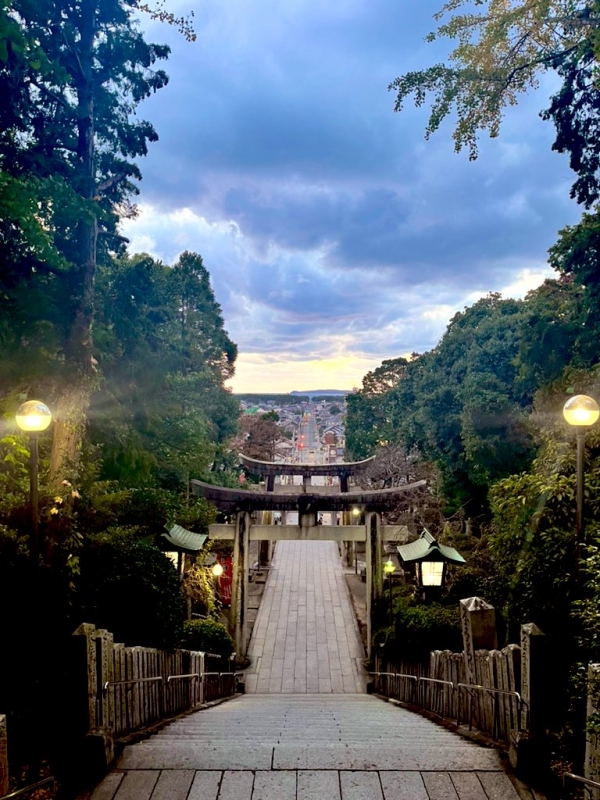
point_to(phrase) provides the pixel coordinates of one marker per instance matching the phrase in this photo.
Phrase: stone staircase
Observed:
(307, 747)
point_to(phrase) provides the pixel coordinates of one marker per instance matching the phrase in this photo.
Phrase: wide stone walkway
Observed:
(305, 637)
(306, 747)
(323, 740)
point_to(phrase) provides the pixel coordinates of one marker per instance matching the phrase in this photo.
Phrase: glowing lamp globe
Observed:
(432, 573)
(581, 410)
(217, 570)
(389, 567)
(33, 416)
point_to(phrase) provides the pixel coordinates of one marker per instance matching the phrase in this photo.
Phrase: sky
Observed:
(335, 235)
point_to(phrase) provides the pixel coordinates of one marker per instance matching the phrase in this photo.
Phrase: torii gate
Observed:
(308, 504)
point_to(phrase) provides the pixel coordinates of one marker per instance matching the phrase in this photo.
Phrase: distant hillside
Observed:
(323, 393)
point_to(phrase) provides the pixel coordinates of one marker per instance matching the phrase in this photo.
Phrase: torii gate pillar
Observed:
(374, 576)
(239, 589)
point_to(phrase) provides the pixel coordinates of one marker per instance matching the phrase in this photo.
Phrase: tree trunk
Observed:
(68, 432)
(75, 396)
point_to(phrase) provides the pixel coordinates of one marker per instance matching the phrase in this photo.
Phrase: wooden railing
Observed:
(130, 688)
(491, 703)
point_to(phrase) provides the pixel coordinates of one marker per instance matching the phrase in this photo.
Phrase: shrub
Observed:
(132, 589)
(419, 629)
(208, 636)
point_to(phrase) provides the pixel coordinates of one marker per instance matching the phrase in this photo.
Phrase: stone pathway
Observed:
(307, 747)
(323, 740)
(305, 637)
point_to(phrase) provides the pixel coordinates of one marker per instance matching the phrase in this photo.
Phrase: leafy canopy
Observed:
(501, 48)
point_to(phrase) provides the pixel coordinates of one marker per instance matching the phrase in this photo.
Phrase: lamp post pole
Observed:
(33, 417)
(33, 495)
(579, 525)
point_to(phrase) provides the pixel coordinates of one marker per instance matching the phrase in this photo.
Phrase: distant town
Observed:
(311, 424)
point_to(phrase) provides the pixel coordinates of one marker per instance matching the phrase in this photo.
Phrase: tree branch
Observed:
(110, 182)
(56, 97)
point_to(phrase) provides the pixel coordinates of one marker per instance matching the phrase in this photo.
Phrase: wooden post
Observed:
(239, 594)
(3, 757)
(592, 741)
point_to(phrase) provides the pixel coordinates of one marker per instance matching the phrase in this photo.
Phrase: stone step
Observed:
(303, 756)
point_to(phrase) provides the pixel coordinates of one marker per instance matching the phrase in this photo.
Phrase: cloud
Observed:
(334, 234)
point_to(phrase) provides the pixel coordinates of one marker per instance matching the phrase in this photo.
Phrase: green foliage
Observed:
(46, 161)
(501, 48)
(208, 636)
(574, 111)
(418, 629)
(162, 410)
(532, 538)
(460, 405)
(132, 589)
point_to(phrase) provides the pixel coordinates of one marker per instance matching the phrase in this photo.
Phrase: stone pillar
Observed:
(369, 578)
(478, 623)
(592, 741)
(98, 661)
(88, 631)
(105, 666)
(534, 668)
(377, 556)
(528, 753)
(239, 593)
(264, 553)
(374, 569)
(3, 757)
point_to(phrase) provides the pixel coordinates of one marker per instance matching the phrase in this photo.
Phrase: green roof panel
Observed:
(182, 539)
(426, 548)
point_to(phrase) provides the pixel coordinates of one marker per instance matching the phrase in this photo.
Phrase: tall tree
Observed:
(75, 71)
(162, 408)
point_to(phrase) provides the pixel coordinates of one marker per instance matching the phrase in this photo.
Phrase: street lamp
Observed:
(33, 417)
(580, 411)
(217, 570)
(389, 568)
(430, 559)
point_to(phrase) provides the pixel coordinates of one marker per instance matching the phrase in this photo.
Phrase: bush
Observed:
(132, 589)
(208, 636)
(419, 629)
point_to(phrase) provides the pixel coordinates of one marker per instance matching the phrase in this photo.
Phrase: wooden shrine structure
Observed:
(308, 501)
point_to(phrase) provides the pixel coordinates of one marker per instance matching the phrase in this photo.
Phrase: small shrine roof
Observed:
(182, 539)
(426, 548)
